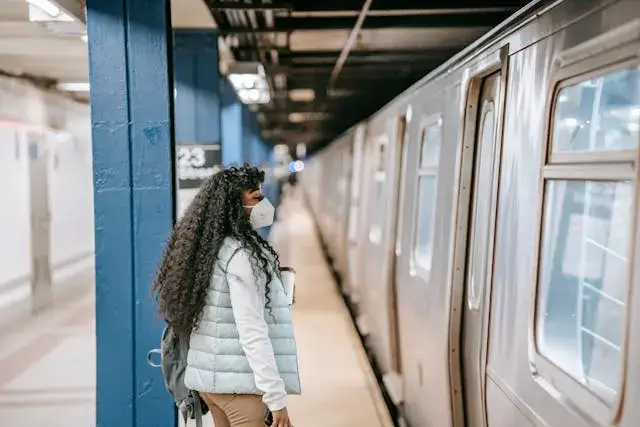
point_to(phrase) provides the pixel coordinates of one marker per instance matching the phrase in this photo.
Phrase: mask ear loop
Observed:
(251, 207)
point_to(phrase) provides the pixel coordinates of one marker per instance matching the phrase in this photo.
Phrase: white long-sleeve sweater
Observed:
(248, 305)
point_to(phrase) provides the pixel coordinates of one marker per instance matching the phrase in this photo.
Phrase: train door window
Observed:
(378, 198)
(431, 139)
(586, 232)
(480, 232)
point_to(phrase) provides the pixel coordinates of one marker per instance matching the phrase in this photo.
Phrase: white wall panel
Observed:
(63, 126)
(71, 197)
(15, 246)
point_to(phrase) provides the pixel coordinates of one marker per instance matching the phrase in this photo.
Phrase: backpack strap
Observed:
(197, 407)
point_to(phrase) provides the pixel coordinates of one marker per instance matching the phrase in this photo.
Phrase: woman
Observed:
(219, 281)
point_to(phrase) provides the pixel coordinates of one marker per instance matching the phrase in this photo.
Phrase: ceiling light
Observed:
(84, 38)
(46, 6)
(74, 87)
(250, 83)
(338, 93)
(296, 117)
(302, 95)
(253, 96)
(311, 116)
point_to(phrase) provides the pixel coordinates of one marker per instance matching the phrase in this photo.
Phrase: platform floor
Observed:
(47, 363)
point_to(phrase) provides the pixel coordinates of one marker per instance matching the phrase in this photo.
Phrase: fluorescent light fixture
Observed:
(74, 87)
(296, 117)
(302, 117)
(338, 93)
(302, 95)
(46, 6)
(250, 82)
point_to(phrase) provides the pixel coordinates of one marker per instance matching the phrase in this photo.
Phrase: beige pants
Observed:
(235, 410)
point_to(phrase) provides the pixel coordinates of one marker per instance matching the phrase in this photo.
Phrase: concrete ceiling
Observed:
(318, 91)
(299, 44)
(56, 52)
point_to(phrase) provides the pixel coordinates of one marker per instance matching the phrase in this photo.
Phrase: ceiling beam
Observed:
(350, 81)
(249, 4)
(286, 53)
(359, 68)
(44, 47)
(74, 8)
(333, 54)
(462, 20)
(435, 6)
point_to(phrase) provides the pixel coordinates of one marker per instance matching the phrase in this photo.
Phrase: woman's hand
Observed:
(281, 418)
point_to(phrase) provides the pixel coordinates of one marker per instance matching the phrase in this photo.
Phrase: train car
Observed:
(492, 225)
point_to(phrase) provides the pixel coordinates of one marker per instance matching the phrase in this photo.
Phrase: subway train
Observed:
(484, 225)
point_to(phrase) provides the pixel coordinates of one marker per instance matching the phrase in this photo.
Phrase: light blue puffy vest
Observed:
(216, 362)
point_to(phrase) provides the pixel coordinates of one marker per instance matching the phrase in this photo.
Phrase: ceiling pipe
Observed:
(337, 69)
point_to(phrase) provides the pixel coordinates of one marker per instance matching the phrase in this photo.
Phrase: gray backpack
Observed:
(173, 351)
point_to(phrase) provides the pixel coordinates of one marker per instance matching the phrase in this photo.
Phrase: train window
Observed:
(431, 138)
(599, 114)
(480, 232)
(430, 152)
(584, 279)
(382, 145)
(584, 272)
(378, 201)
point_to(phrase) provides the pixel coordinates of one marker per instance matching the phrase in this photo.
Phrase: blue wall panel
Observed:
(197, 83)
(132, 149)
(232, 126)
(241, 141)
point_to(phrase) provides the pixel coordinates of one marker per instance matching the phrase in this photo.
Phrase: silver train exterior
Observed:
(485, 225)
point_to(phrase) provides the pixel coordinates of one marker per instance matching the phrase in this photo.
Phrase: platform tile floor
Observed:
(47, 362)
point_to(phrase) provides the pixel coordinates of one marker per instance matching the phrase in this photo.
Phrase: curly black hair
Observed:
(187, 264)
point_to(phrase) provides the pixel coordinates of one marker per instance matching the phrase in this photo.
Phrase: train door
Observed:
(392, 379)
(355, 215)
(41, 282)
(345, 189)
(479, 250)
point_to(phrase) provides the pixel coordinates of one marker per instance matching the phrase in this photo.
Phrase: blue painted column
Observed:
(197, 86)
(231, 119)
(258, 152)
(132, 131)
(247, 131)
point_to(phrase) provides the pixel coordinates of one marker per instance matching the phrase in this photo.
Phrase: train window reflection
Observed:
(584, 279)
(379, 199)
(430, 152)
(427, 186)
(601, 114)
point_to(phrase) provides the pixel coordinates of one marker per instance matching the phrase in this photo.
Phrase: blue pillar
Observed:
(197, 86)
(131, 106)
(232, 126)
(254, 141)
(246, 133)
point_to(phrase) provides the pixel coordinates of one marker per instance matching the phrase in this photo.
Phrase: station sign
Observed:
(195, 163)
(251, 4)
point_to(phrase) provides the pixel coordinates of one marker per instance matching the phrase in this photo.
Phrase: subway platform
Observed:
(47, 362)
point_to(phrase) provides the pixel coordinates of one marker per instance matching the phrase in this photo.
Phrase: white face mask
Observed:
(261, 214)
